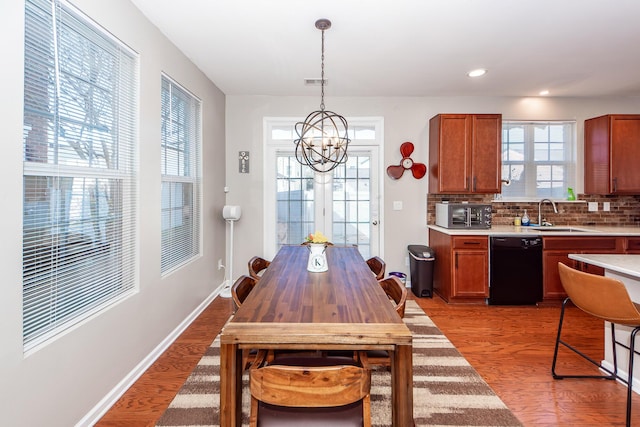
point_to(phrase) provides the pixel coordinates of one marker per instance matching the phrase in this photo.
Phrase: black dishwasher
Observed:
(515, 271)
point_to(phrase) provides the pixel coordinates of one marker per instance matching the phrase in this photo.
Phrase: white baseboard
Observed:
(624, 374)
(225, 289)
(98, 411)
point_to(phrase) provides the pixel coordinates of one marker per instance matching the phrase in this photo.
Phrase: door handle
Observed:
(375, 222)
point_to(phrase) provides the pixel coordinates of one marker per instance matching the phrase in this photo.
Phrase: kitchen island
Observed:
(625, 268)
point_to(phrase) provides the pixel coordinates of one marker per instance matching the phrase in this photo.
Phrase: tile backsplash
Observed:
(624, 210)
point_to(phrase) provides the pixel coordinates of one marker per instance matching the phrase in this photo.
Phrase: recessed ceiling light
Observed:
(477, 73)
(544, 92)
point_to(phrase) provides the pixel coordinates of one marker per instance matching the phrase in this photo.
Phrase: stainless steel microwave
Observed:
(463, 215)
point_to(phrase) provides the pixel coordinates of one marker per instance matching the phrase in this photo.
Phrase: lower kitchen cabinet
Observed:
(461, 268)
(632, 245)
(557, 249)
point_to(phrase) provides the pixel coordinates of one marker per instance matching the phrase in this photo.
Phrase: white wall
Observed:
(405, 119)
(60, 383)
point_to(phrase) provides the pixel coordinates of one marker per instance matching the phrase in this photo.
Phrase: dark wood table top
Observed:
(344, 307)
(347, 293)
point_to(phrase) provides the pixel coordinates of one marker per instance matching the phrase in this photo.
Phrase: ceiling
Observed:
(573, 48)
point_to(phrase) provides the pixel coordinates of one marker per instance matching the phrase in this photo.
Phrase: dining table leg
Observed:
(230, 386)
(402, 386)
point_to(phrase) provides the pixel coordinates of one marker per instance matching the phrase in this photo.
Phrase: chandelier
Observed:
(323, 136)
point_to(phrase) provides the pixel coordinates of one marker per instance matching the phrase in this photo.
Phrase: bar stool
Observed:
(605, 298)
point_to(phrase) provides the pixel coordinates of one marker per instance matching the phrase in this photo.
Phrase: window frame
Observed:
(180, 244)
(530, 164)
(80, 167)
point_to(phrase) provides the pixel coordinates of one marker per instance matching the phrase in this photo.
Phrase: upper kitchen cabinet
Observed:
(611, 153)
(464, 153)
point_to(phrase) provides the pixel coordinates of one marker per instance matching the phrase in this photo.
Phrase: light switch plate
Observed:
(593, 206)
(397, 205)
(606, 206)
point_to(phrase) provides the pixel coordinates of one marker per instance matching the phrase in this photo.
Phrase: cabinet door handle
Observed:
(470, 243)
(466, 184)
(475, 181)
(615, 185)
(456, 263)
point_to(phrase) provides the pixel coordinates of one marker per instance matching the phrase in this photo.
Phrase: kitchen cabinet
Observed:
(464, 153)
(611, 152)
(632, 245)
(461, 269)
(557, 249)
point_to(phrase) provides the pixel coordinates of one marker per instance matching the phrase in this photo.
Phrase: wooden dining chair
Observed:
(309, 391)
(397, 293)
(607, 299)
(241, 288)
(239, 292)
(257, 265)
(377, 266)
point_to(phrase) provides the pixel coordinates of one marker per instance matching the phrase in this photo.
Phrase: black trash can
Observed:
(421, 260)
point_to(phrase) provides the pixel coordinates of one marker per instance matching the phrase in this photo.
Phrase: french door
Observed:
(342, 204)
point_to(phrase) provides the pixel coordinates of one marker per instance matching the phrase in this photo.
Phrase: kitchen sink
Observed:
(560, 229)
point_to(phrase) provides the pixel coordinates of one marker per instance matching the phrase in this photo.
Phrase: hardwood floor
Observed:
(511, 347)
(147, 399)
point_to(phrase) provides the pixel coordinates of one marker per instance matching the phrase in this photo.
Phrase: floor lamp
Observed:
(231, 214)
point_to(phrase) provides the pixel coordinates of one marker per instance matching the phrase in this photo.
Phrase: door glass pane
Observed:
(351, 203)
(295, 201)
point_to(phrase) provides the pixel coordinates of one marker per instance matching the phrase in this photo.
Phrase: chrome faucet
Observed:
(555, 209)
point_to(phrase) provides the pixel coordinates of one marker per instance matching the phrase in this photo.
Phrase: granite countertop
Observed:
(625, 264)
(556, 230)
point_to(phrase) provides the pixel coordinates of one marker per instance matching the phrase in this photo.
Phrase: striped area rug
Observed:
(447, 391)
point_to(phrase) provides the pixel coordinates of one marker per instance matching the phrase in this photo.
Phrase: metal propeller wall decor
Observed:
(418, 170)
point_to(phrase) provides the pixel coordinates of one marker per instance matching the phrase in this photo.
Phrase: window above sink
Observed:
(537, 159)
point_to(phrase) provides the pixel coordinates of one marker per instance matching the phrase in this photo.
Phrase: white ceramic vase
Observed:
(317, 258)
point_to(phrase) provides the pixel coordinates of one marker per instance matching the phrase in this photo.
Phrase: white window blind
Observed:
(538, 159)
(180, 167)
(79, 202)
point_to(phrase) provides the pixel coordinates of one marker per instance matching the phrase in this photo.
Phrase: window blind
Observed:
(537, 159)
(181, 175)
(79, 199)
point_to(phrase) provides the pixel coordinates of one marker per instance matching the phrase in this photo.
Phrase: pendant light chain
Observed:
(322, 75)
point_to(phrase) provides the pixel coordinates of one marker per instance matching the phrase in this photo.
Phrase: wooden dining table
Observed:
(291, 308)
